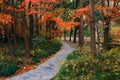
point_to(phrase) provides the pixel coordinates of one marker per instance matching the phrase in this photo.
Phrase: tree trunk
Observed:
(106, 30)
(71, 31)
(75, 34)
(65, 34)
(92, 29)
(108, 3)
(8, 37)
(106, 37)
(26, 36)
(36, 24)
(81, 28)
(98, 38)
(14, 35)
(31, 23)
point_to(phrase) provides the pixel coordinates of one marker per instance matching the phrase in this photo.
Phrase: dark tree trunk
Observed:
(65, 34)
(81, 28)
(92, 29)
(36, 24)
(50, 29)
(108, 3)
(26, 36)
(8, 37)
(106, 37)
(31, 23)
(47, 28)
(106, 30)
(75, 34)
(71, 31)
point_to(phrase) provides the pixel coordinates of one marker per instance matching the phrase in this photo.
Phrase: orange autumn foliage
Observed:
(59, 22)
(79, 12)
(5, 19)
(116, 33)
(1, 1)
(108, 12)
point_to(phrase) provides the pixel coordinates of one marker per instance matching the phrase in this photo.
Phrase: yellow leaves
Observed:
(5, 18)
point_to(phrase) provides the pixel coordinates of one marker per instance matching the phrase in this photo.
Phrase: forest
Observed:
(33, 31)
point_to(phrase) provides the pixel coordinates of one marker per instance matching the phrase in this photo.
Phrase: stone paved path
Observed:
(48, 69)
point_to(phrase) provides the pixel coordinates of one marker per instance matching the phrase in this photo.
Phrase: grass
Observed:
(83, 66)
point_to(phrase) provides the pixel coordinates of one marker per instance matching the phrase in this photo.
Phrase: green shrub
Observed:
(35, 60)
(1, 57)
(39, 53)
(106, 66)
(56, 44)
(8, 69)
(17, 50)
(38, 42)
(57, 41)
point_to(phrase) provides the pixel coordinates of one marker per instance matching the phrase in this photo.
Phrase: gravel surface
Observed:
(48, 69)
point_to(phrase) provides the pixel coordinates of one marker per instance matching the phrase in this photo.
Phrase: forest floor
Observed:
(49, 67)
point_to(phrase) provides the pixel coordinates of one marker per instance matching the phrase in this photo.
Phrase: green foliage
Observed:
(69, 5)
(57, 42)
(105, 66)
(1, 57)
(98, 15)
(66, 15)
(73, 56)
(86, 32)
(17, 50)
(38, 53)
(38, 42)
(8, 69)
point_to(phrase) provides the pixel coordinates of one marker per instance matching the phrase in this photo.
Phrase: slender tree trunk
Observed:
(71, 31)
(92, 29)
(31, 23)
(36, 24)
(47, 28)
(50, 29)
(5, 26)
(106, 37)
(65, 34)
(14, 35)
(81, 28)
(98, 37)
(8, 37)
(106, 31)
(108, 3)
(26, 36)
(75, 34)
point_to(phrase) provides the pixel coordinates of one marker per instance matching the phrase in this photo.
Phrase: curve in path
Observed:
(48, 69)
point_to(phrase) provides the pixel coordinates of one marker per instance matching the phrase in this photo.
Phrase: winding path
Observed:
(48, 69)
